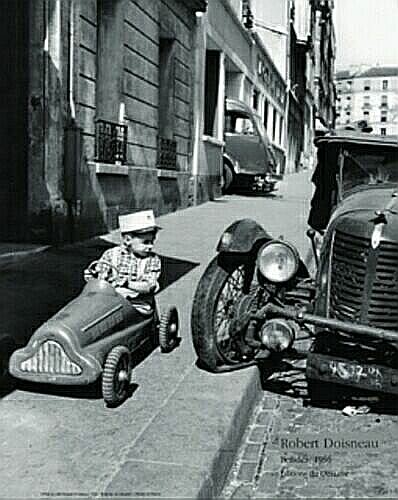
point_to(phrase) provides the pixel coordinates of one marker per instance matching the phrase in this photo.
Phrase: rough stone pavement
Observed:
(265, 468)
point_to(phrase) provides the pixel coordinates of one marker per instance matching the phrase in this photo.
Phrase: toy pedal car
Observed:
(257, 294)
(96, 334)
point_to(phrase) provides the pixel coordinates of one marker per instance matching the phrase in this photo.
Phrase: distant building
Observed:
(368, 94)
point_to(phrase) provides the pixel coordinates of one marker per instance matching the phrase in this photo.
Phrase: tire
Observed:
(116, 376)
(7, 347)
(210, 292)
(168, 330)
(228, 178)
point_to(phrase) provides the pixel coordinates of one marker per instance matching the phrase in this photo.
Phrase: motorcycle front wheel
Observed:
(222, 285)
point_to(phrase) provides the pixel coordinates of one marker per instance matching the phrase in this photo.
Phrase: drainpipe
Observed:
(71, 56)
(198, 99)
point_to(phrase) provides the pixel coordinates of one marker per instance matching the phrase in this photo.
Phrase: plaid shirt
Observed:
(132, 268)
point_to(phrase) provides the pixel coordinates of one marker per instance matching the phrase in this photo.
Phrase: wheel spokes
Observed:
(225, 311)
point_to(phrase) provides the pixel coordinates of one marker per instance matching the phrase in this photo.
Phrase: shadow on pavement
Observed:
(288, 379)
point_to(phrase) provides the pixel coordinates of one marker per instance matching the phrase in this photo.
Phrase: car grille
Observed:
(354, 294)
(50, 358)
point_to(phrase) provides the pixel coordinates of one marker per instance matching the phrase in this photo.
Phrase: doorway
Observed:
(14, 63)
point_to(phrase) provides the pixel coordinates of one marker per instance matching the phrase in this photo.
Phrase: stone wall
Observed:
(102, 191)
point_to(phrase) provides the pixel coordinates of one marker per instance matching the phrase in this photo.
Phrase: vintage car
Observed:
(249, 163)
(98, 334)
(257, 296)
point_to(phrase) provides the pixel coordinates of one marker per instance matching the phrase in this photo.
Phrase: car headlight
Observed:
(278, 261)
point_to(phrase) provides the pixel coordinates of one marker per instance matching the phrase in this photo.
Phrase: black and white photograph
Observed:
(199, 249)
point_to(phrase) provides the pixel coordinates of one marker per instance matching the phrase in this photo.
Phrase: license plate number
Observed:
(355, 373)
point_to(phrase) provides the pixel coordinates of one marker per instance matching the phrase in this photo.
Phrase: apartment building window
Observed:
(167, 146)
(280, 130)
(256, 97)
(274, 124)
(366, 113)
(348, 98)
(385, 84)
(366, 85)
(348, 113)
(383, 118)
(212, 79)
(383, 131)
(348, 84)
(111, 132)
(265, 119)
(384, 101)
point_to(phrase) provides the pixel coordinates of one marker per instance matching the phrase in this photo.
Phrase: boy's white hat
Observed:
(138, 222)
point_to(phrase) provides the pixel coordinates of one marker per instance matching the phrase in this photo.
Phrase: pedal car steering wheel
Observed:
(100, 269)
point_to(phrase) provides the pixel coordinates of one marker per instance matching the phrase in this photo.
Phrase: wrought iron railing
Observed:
(110, 142)
(167, 153)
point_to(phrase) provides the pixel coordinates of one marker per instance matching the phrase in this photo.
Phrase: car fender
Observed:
(233, 162)
(242, 236)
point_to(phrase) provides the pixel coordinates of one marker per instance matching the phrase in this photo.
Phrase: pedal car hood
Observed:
(55, 351)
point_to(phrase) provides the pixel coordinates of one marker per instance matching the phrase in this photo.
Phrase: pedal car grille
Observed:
(50, 358)
(360, 291)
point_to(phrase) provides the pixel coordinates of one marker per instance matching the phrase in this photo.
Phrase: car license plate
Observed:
(354, 373)
(346, 372)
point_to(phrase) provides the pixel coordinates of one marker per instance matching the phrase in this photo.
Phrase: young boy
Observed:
(138, 267)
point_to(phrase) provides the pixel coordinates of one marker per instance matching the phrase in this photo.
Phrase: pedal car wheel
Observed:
(7, 347)
(116, 376)
(220, 288)
(168, 330)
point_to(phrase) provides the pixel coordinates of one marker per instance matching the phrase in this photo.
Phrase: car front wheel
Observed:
(220, 290)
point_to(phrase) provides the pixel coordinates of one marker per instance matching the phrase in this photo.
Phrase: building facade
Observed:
(235, 64)
(112, 106)
(369, 94)
(99, 117)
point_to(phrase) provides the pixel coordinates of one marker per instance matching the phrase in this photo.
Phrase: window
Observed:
(348, 113)
(366, 113)
(384, 101)
(265, 120)
(366, 85)
(212, 77)
(383, 118)
(110, 132)
(383, 131)
(167, 146)
(256, 95)
(348, 98)
(385, 85)
(366, 97)
(274, 125)
(348, 84)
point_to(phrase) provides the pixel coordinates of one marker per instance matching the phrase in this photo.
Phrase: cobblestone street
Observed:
(294, 450)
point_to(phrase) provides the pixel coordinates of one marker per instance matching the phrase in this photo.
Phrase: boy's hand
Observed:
(87, 275)
(142, 286)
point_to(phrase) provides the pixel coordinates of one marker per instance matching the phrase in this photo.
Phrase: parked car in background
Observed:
(257, 302)
(249, 163)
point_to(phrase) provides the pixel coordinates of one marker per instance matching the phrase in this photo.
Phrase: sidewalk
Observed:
(177, 435)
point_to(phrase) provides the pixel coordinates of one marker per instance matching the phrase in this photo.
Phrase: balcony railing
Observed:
(110, 142)
(167, 153)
